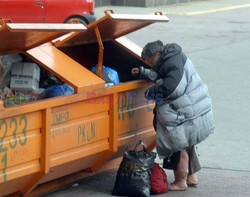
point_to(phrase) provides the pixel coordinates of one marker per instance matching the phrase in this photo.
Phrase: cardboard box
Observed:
(25, 77)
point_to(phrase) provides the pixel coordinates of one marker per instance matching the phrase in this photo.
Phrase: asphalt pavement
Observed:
(216, 36)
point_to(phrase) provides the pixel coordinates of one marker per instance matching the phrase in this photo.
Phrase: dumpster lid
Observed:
(18, 37)
(112, 26)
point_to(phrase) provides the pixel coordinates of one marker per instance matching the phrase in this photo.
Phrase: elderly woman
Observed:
(183, 110)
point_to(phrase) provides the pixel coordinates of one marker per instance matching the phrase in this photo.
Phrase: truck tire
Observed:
(76, 20)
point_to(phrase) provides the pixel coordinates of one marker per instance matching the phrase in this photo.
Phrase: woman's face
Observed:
(153, 60)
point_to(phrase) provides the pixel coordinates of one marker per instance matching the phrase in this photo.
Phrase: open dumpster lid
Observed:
(65, 68)
(112, 26)
(18, 37)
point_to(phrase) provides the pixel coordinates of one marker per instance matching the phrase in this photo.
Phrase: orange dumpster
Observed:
(44, 140)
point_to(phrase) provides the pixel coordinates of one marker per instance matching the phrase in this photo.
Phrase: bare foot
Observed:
(178, 186)
(192, 180)
(180, 183)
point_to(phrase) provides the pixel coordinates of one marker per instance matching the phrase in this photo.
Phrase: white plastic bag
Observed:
(6, 62)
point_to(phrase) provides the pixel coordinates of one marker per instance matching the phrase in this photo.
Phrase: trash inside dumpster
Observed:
(86, 118)
(20, 76)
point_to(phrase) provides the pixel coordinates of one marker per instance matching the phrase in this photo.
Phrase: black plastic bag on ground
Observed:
(133, 176)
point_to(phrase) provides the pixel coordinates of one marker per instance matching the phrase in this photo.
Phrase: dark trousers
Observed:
(173, 161)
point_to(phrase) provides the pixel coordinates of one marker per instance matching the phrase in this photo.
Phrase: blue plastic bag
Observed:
(109, 75)
(57, 90)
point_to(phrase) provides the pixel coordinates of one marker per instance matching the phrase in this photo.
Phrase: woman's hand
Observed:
(135, 71)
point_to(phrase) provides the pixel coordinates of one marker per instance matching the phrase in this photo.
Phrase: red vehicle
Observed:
(47, 11)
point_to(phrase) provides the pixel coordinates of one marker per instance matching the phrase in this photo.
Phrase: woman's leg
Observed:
(180, 183)
(173, 161)
(194, 167)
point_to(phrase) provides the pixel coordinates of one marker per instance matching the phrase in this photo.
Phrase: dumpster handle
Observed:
(4, 21)
(158, 13)
(111, 11)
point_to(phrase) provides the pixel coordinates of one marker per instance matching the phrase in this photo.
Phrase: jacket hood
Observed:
(170, 50)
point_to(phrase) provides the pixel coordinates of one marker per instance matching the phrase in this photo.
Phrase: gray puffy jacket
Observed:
(184, 114)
